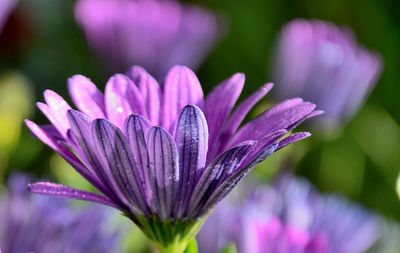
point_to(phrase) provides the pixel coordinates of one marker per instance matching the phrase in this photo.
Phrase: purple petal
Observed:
(293, 138)
(181, 87)
(150, 90)
(236, 119)
(191, 138)
(122, 98)
(136, 128)
(80, 127)
(86, 96)
(278, 117)
(259, 152)
(264, 144)
(164, 170)
(308, 116)
(56, 111)
(57, 190)
(215, 173)
(220, 102)
(66, 154)
(232, 181)
(53, 132)
(116, 154)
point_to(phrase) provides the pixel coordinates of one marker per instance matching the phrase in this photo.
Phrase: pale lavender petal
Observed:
(136, 128)
(122, 98)
(215, 173)
(164, 170)
(323, 63)
(153, 34)
(66, 154)
(370, 68)
(56, 111)
(236, 119)
(274, 119)
(86, 96)
(181, 87)
(191, 138)
(63, 191)
(220, 102)
(115, 152)
(150, 90)
(293, 138)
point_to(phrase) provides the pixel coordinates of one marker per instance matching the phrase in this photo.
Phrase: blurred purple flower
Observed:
(33, 223)
(323, 63)
(153, 153)
(290, 217)
(154, 34)
(6, 7)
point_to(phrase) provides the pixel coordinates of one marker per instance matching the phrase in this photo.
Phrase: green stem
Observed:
(171, 236)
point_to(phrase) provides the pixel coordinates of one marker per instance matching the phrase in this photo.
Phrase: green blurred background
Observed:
(41, 46)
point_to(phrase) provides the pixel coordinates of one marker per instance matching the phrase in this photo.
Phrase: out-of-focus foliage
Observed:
(15, 105)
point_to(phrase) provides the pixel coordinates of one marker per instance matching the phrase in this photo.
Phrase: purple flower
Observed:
(33, 223)
(6, 7)
(323, 63)
(290, 217)
(163, 155)
(150, 33)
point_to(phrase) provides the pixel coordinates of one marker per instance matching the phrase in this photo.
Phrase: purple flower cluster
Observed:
(33, 223)
(290, 217)
(322, 63)
(163, 154)
(154, 34)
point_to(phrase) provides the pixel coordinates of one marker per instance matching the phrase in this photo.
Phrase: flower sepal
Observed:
(170, 236)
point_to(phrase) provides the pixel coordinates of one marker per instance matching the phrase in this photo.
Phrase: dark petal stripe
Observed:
(222, 166)
(219, 104)
(235, 120)
(164, 170)
(67, 155)
(115, 152)
(62, 191)
(136, 128)
(192, 141)
(80, 127)
(231, 182)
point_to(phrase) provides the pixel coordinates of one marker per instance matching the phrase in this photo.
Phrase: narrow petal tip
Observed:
(268, 86)
(72, 81)
(191, 107)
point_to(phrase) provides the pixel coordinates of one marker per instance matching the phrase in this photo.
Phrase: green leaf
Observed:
(231, 248)
(192, 246)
